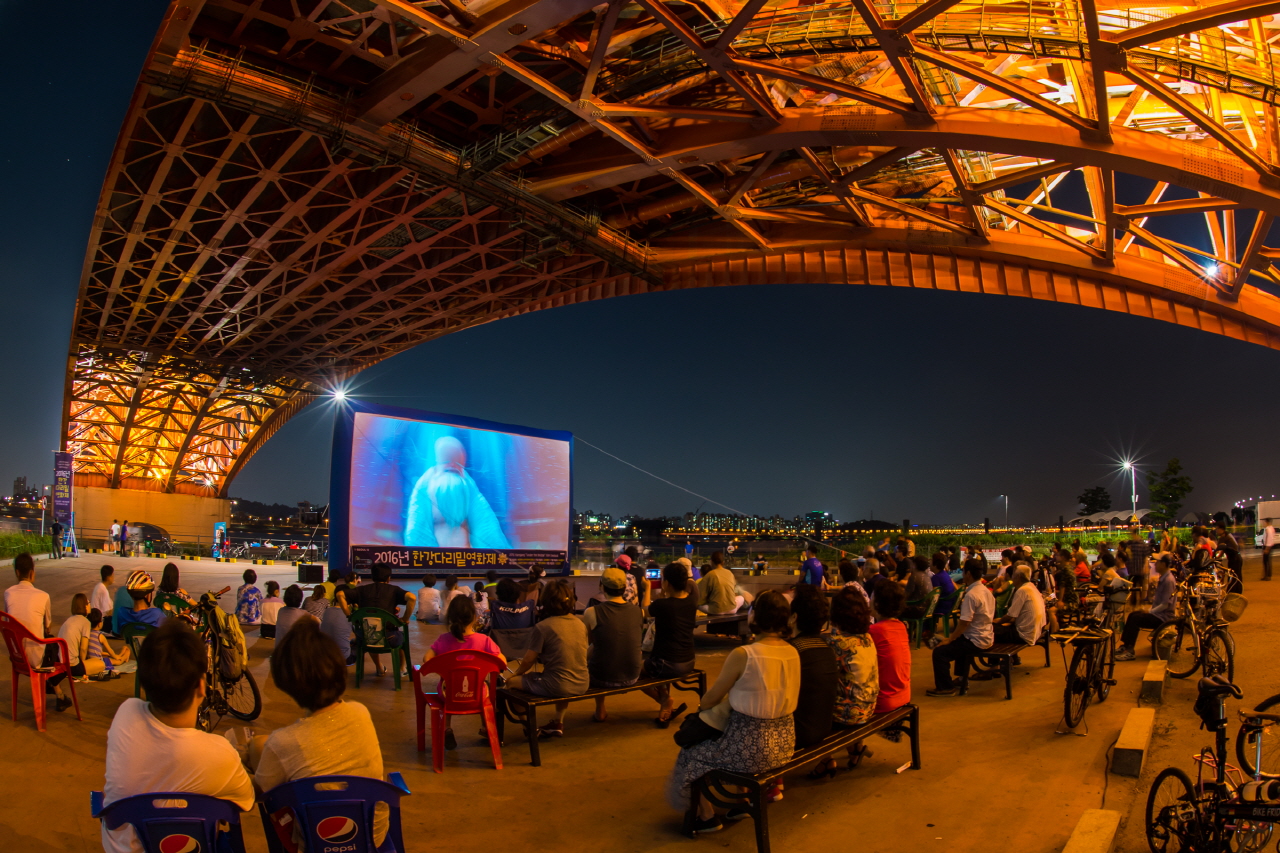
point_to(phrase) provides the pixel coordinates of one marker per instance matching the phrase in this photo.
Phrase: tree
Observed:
(1097, 499)
(1168, 489)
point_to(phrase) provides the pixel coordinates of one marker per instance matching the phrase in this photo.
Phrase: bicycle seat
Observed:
(1218, 685)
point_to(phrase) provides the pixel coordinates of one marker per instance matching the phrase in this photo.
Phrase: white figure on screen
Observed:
(446, 508)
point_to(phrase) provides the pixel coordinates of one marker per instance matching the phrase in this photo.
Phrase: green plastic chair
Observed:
(371, 625)
(1002, 601)
(133, 635)
(179, 604)
(915, 627)
(953, 613)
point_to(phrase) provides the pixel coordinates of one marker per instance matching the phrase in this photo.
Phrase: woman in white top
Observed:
(761, 683)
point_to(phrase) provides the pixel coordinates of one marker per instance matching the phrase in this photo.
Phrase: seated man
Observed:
(1161, 610)
(33, 608)
(614, 628)
(154, 745)
(141, 590)
(717, 593)
(509, 612)
(972, 634)
(1024, 620)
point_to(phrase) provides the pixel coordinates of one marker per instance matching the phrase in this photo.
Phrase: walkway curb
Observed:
(1094, 833)
(1134, 742)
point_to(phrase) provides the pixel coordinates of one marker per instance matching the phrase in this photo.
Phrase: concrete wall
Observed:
(186, 517)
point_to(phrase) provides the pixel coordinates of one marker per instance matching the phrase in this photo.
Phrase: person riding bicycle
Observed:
(1162, 610)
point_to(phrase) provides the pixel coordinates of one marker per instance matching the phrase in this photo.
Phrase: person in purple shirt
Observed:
(811, 569)
(942, 580)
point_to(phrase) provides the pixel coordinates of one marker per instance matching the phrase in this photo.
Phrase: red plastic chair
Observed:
(468, 683)
(15, 633)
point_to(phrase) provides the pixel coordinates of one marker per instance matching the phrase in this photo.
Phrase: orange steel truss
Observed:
(303, 188)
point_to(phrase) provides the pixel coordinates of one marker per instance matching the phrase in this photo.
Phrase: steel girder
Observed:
(305, 187)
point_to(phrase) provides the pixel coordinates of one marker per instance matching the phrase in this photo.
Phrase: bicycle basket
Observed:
(1233, 607)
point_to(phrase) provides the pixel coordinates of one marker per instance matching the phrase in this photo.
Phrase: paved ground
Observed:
(994, 772)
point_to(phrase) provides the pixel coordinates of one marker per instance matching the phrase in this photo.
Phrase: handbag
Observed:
(646, 644)
(693, 731)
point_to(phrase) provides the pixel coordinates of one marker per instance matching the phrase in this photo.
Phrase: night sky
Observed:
(776, 399)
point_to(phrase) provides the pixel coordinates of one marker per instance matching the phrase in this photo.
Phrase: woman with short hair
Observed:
(761, 683)
(559, 643)
(333, 738)
(855, 653)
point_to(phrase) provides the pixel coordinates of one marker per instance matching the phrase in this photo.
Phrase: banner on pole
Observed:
(62, 487)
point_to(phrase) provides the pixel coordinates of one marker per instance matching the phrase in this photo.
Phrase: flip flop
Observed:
(675, 712)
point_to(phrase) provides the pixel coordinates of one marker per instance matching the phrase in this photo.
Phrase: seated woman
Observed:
(333, 738)
(818, 671)
(559, 643)
(893, 655)
(172, 597)
(761, 683)
(463, 634)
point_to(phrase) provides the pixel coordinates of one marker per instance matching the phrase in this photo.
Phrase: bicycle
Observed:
(225, 693)
(1224, 814)
(1199, 637)
(1092, 667)
(1254, 749)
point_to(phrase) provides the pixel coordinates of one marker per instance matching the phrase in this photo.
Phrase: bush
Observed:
(13, 544)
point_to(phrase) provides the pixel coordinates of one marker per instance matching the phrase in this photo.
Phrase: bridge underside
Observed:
(302, 189)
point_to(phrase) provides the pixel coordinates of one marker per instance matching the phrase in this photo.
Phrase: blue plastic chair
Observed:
(162, 820)
(336, 812)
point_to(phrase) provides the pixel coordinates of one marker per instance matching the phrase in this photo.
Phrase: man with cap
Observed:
(614, 629)
(141, 589)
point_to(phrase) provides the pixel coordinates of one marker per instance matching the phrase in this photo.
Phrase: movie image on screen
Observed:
(437, 495)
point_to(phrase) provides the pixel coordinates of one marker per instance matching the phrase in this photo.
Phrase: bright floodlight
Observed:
(1126, 464)
(339, 394)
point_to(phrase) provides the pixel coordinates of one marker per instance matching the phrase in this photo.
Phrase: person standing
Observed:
(1268, 542)
(972, 634)
(811, 570)
(115, 535)
(688, 550)
(1139, 552)
(55, 540)
(122, 537)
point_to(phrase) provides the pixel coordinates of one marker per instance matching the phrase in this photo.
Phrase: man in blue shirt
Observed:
(141, 589)
(811, 569)
(1161, 610)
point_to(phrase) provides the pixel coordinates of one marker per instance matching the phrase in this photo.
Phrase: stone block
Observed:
(1154, 681)
(1135, 740)
(1094, 833)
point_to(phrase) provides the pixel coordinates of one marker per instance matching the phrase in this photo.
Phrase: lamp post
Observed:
(1133, 489)
(1006, 512)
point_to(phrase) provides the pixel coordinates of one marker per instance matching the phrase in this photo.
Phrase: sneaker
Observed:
(711, 824)
(773, 794)
(1017, 661)
(61, 705)
(950, 691)
(1125, 654)
(557, 730)
(738, 813)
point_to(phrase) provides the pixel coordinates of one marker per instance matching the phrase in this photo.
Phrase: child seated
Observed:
(482, 606)
(249, 600)
(429, 600)
(463, 622)
(100, 650)
(271, 606)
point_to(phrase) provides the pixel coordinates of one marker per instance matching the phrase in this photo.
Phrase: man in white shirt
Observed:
(1268, 542)
(972, 634)
(1024, 621)
(32, 608)
(155, 746)
(102, 599)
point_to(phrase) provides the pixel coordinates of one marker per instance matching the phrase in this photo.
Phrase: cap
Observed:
(861, 560)
(623, 561)
(686, 562)
(138, 579)
(614, 579)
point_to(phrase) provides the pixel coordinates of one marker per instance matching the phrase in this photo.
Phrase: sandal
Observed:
(824, 769)
(856, 758)
(663, 723)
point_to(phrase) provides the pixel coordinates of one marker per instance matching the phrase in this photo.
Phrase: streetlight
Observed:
(1133, 488)
(1006, 511)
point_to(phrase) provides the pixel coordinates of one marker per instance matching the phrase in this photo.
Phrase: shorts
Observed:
(659, 668)
(609, 685)
(536, 683)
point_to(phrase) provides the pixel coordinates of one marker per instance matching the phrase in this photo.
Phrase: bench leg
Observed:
(915, 739)
(702, 683)
(1046, 653)
(531, 731)
(691, 815)
(1007, 666)
(760, 818)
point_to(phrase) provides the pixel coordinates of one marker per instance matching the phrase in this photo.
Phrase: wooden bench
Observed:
(1000, 660)
(715, 784)
(736, 624)
(693, 680)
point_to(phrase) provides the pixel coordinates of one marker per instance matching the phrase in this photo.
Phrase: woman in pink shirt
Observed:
(462, 621)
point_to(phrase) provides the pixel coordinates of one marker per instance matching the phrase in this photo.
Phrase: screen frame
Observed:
(340, 466)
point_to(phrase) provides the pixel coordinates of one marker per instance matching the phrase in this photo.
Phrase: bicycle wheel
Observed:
(1173, 818)
(1219, 656)
(1176, 643)
(1247, 744)
(1106, 668)
(244, 701)
(1075, 699)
